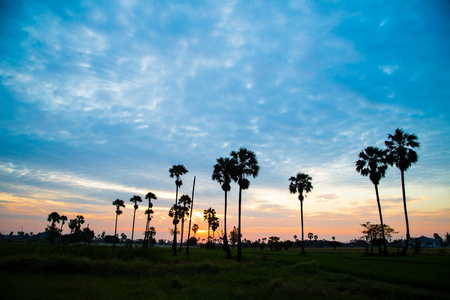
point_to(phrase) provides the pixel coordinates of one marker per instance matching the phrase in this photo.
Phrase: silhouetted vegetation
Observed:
(300, 184)
(401, 154)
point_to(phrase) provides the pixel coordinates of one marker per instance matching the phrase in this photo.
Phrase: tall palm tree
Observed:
(401, 154)
(118, 204)
(301, 184)
(223, 173)
(150, 196)
(176, 171)
(245, 165)
(209, 215)
(135, 199)
(185, 202)
(175, 213)
(372, 162)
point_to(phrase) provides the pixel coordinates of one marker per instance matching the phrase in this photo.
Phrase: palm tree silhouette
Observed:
(63, 221)
(118, 204)
(372, 162)
(175, 213)
(245, 164)
(195, 229)
(134, 200)
(149, 211)
(185, 202)
(223, 173)
(209, 215)
(214, 226)
(176, 171)
(301, 184)
(54, 218)
(400, 152)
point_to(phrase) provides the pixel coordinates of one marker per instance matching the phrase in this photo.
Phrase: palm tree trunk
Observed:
(209, 227)
(132, 230)
(190, 219)
(381, 221)
(225, 238)
(182, 231)
(145, 244)
(115, 233)
(174, 243)
(239, 250)
(303, 236)
(405, 248)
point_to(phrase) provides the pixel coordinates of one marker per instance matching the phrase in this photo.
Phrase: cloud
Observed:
(388, 70)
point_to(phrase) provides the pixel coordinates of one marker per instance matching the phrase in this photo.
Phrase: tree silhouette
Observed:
(135, 199)
(149, 212)
(176, 171)
(75, 227)
(234, 236)
(53, 218)
(373, 233)
(195, 229)
(118, 204)
(223, 173)
(185, 202)
(209, 215)
(63, 220)
(52, 231)
(175, 212)
(401, 154)
(310, 236)
(372, 162)
(149, 236)
(214, 226)
(301, 184)
(245, 165)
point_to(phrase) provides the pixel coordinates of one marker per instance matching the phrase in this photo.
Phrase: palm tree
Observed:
(177, 171)
(118, 204)
(175, 213)
(149, 211)
(372, 162)
(63, 221)
(134, 200)
(400, 152)
(54, 218)
(209, 215)
(301, 184)
(223, 173)
(185, 202)
(214, 226)
(245, 164)
(195, 229)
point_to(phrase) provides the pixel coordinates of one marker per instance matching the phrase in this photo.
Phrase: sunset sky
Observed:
(100, 98)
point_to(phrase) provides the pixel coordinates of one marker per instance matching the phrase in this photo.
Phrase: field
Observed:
(42, 271)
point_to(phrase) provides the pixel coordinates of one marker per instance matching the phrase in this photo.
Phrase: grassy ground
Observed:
(40, 271)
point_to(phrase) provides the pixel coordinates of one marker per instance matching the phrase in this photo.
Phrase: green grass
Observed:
(41, 271)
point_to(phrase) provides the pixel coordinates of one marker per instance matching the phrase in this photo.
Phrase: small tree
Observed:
(52, 231)
(195, 229)
(233, 237)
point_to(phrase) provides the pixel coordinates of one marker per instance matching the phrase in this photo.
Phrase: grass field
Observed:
(42, 271)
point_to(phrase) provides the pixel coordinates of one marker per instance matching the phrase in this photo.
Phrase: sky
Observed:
(100, 98)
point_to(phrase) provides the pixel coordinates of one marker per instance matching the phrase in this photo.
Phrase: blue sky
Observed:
(100, 99)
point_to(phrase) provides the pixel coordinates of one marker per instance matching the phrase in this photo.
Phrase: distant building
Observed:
(426, 242)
